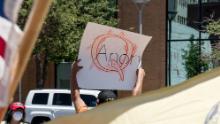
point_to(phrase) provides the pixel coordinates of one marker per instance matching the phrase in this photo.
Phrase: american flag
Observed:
(10, 36)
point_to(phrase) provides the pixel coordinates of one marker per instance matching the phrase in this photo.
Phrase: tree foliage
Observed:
(60, 37)
(194, 64)
(65, 23)
(213, 27)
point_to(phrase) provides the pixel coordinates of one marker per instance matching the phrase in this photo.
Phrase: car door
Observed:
(62, 104)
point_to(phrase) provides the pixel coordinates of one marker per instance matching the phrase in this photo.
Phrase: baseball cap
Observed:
(16, 105)
(106, 96)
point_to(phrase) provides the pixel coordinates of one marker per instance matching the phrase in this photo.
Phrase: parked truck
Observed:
(47, 104)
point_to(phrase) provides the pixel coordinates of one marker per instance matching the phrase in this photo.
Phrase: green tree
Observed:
(213, 27)
(66, 21)
(194, 64)
(60, 37)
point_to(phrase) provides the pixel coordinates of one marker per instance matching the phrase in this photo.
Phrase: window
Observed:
(40, 98)
(178, 19)
(89, 100)
(63, 99)
(190, 26)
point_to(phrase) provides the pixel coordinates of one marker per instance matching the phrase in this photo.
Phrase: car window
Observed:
(63, 99)
(40, 98)
(89, 100)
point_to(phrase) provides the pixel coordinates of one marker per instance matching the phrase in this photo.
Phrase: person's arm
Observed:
(137, 90)
(79, 104)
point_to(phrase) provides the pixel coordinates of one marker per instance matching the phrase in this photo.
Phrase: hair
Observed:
(106, 96)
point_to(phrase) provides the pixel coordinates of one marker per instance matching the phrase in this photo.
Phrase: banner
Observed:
(10, 36)
(110, 57)
(195, 101)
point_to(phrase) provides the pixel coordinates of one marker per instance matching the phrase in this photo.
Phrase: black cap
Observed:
(106, 96)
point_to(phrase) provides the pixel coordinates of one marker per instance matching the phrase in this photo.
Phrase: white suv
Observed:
(47, 104)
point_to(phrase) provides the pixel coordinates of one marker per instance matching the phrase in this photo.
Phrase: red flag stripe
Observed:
(2, 47)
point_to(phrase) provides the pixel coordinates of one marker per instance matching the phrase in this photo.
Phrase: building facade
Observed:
(154, 25)
(188, 24)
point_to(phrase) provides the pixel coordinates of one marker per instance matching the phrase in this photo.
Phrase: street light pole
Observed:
(171, 16)
(169, 52)
(140, 6)
(140, 23)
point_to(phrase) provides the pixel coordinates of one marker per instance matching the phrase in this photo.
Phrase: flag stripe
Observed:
(9, 9)
(2, 14)
(10, 36)
(2, 47)
(12, 13)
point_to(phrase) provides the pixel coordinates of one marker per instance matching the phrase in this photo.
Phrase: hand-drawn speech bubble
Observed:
(110, 57)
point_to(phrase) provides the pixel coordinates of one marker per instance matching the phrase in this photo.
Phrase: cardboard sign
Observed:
(110, 57)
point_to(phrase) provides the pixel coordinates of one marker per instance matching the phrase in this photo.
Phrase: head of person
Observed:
(106, 96)
(16, 112)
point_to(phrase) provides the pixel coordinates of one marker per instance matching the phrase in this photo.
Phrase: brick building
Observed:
(154, 24)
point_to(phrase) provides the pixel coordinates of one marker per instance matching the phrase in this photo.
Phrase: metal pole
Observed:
(140, 6)
(140, 16)
(169, 53)
(200, 29)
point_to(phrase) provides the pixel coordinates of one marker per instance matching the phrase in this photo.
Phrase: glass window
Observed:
(89, 100)
(63, 75)
(186, 26)
(40, 98)
(62, 99)
(179, 14)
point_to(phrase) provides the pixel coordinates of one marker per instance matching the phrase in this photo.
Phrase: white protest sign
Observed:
(110, 57)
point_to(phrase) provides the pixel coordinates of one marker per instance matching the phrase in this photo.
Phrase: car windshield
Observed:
(89, 100)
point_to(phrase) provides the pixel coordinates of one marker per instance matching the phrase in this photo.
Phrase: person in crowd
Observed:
(15, 113)
(103, 96)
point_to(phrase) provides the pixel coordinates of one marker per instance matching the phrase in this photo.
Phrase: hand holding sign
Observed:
(110, 57)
